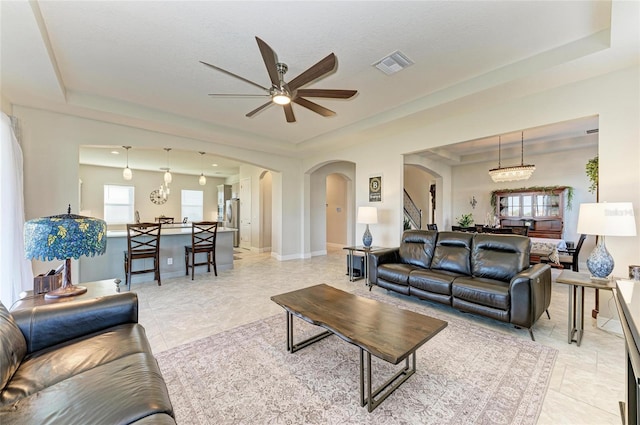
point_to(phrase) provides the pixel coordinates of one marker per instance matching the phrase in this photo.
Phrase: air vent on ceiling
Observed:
(393, 63)
(595, 130)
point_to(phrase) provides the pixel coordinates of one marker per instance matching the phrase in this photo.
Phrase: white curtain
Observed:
(16, 274)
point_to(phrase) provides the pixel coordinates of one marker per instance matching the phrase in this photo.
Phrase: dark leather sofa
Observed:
(82, 362)
(485, 274)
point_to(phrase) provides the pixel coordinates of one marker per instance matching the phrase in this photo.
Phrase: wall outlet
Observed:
(169, 261)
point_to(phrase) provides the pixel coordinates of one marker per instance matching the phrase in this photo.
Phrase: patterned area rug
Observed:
(466, 374)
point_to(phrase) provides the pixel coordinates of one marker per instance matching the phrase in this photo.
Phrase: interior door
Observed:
(245, 213)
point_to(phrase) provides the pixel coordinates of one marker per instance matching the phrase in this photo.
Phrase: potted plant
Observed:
(465, 220)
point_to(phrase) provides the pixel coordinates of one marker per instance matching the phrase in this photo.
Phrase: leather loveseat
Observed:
(485, 274)
(81, 362)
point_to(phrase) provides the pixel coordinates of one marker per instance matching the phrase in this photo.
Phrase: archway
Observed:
(343, 174)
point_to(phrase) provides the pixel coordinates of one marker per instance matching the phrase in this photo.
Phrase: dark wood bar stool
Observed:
(203, 240)
(143, 241)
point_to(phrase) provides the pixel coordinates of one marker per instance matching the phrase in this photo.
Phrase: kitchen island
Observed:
(173, 239)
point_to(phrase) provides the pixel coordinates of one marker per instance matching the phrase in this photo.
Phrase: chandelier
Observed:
(517, 172)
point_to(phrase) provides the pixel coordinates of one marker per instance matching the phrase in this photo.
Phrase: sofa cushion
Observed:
(118, 392)
(437, 281)
(487, 292)
(417, 246)
(13, 346)
(395, 273)
(47, 367)
(452, 252)
(499, 256)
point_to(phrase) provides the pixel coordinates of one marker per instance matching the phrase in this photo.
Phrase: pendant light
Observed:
(127, 174)
(518, 172)
(202, 180)
(167, 174)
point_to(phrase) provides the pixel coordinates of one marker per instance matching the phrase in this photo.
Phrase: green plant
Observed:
(592, 173)
(406, 224)
(465, 220)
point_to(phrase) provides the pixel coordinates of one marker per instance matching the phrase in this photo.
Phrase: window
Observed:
(118, 204)
(192, 205)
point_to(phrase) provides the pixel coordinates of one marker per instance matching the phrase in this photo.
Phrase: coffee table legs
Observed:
(295, 347)
(368, 399)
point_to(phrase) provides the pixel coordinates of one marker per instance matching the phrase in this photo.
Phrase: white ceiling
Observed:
(137, 63)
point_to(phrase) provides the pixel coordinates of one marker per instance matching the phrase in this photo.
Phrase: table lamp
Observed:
(605, 219)
(367, 215)
(63, 237)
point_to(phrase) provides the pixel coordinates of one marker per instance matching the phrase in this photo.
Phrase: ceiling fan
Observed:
(283, 93)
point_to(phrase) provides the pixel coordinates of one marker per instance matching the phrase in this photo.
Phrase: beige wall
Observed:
(94, 178)
(336, 207)
(417, 182)
(502, 112)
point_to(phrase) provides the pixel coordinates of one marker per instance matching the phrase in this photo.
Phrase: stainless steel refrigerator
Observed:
(232, 218)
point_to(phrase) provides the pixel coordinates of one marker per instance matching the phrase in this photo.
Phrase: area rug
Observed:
(467, 374)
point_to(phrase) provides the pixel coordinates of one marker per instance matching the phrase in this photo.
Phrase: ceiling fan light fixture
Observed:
(281, 97)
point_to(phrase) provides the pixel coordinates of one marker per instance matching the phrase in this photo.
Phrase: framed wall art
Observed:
(375, 189)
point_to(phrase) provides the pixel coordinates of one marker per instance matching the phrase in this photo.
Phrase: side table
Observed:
(94, 290)
(351, 252)
(577, 282)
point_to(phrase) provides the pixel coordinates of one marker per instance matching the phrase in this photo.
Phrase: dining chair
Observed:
(432, 227)
(143, 243)
(203, 241)
(164, 220)
(569, 257)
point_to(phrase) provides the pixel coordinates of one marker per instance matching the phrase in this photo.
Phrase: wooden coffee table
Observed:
(386, 331)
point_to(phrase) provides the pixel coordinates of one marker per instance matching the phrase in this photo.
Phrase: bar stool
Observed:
(203, 240)
(143, 242)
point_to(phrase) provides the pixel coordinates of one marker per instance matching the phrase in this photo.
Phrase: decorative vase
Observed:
(366, 238)
(600, 262)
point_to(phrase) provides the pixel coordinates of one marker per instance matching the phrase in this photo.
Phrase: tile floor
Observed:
(587, 381)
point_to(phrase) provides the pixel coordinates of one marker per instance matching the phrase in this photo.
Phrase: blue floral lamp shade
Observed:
(63, 237)
(605, 219)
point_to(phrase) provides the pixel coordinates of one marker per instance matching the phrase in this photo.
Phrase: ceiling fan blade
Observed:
(321, 68)
(258, 109)
(329, 93)
(234, 75)
(237, 95)
(270, 59)
(288, 112)
(314, 107)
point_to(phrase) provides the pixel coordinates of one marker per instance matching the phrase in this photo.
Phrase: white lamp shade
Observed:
(127, 174)
(167, 177)
(367, 215)
(607, 219)
(202, 180)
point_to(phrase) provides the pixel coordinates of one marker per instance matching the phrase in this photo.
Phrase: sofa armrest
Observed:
(386, 256)
(50, 324)
(530, 292)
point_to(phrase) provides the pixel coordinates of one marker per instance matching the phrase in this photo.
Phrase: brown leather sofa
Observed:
(81, 362)
(485, 274)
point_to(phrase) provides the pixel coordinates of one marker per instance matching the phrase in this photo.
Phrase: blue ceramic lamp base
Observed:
(600, 263)
(366, 238)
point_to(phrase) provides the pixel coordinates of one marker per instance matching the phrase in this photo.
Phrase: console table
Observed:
(577, 282)
(350, 264)
(627, 297)
(95, 289)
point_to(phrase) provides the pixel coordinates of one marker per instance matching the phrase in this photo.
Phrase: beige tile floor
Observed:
(587, 381)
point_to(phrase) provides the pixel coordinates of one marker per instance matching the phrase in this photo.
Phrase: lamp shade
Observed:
(607, 219)
(367, 215)
(64, 236)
